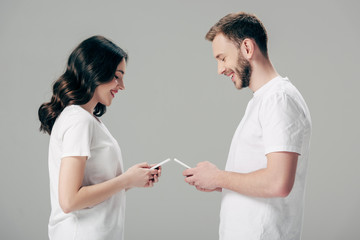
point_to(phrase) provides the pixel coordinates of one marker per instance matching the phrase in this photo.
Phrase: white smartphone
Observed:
(181, 163)
(159, 164)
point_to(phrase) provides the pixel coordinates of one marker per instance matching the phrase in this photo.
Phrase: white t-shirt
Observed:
(276, 119)
(77, 133)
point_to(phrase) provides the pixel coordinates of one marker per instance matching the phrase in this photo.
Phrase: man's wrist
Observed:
(219, 178)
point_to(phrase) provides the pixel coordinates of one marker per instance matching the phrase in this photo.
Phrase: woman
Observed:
(87, 180)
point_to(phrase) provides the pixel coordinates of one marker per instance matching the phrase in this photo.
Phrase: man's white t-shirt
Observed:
(276, 119)
(77, 133)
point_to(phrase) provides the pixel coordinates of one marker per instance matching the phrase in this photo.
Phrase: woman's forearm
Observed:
(88, 196)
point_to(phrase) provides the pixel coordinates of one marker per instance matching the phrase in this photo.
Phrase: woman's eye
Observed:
(116, 77)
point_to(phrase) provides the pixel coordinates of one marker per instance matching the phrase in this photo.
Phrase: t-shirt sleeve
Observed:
(76, 140)
(282, 121)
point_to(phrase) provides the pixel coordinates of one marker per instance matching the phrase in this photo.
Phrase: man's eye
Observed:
(223, 59)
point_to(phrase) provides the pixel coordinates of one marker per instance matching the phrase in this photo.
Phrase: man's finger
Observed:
(190, 180)
(188, 172)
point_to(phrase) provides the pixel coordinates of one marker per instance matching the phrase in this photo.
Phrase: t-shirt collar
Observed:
(267, 86)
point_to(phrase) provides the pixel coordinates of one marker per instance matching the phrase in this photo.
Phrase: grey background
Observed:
(175, 105)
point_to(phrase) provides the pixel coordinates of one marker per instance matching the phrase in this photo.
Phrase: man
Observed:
(264, 179)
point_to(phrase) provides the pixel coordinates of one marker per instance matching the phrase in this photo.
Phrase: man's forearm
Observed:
(276, 180)
(255, 184)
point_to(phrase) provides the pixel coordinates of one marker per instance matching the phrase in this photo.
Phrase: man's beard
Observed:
(243, 71)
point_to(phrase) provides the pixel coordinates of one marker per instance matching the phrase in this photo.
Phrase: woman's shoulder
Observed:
(73, 115)
(76, 113)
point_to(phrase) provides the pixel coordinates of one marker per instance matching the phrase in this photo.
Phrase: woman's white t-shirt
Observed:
(77, 133)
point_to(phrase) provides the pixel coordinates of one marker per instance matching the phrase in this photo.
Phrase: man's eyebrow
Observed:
(121, 71)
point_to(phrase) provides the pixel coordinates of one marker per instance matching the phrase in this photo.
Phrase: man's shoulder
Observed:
(282, 88)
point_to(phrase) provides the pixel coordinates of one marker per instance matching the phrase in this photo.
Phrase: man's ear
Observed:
(247, 48)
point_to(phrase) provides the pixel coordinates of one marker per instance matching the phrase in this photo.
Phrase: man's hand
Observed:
(204, 177)
(209, 190)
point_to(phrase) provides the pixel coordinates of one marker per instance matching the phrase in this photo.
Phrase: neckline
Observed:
(96, 118)
(266, 86)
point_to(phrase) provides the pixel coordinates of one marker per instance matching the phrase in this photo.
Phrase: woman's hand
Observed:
(140, 175)
(156, 176)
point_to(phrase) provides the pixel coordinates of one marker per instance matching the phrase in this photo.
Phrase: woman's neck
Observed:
(89, 106)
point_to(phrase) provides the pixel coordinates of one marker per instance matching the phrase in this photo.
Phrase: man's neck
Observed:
(262, 72)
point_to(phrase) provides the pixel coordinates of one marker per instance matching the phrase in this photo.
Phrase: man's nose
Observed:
(221, 68)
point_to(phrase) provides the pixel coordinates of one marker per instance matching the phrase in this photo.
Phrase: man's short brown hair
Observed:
(237, 27)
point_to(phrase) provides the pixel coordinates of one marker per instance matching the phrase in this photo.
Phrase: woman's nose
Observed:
(120, 84)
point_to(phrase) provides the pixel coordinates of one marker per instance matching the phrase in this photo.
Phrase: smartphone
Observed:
(181, 163)
(159, 164)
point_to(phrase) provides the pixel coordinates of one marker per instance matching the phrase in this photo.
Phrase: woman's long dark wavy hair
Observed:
(91, 64)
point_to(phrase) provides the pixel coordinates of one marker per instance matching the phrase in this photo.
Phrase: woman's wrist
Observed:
(123, 181)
